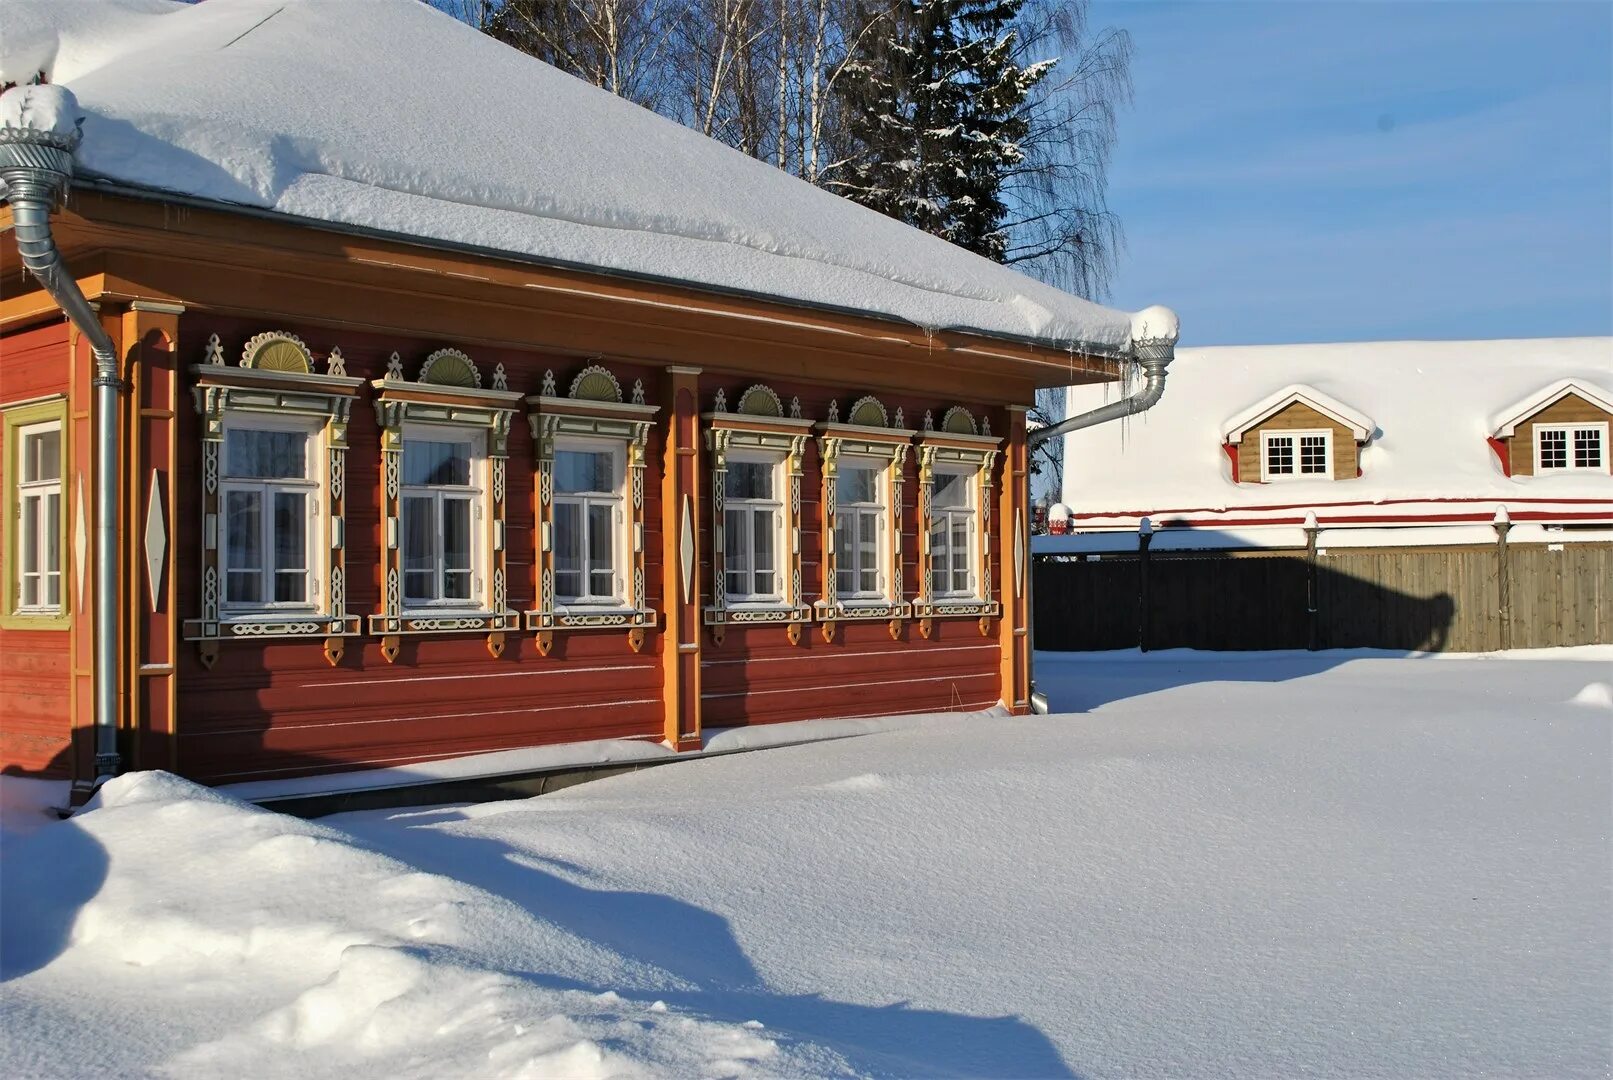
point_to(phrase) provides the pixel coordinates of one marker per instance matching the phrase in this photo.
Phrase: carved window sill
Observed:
(636, 621)
(792, 618)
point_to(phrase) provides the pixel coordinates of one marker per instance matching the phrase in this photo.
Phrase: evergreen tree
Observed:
(937, 112)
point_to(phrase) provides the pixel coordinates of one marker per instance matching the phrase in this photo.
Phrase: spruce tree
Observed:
(936, 115)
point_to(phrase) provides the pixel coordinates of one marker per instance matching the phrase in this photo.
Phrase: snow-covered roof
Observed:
(1434, 405)
(389, 115)
(1507, 421)
(1360, 425)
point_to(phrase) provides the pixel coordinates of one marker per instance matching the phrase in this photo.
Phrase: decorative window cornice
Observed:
(759, 424)
(956, 448)
(448, 393)
(276, 376)
(592, 408)
(869, 431)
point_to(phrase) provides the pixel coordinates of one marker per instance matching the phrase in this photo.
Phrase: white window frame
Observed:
(880, 510)
(616, 500)
(40, 490)
(1296, 435)
(743, 559)
(476, 493)
(970, 512)
(1570, 433)
(311, 486)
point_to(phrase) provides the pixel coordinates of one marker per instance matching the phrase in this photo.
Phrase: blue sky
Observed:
(1294, 171)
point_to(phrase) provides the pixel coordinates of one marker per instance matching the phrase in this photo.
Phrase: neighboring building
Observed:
(1382, 443)
(468, 408)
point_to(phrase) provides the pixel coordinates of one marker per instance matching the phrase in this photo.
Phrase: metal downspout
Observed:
(1154, 333)
(35, 167)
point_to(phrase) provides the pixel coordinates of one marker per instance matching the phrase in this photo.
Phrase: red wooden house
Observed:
(445, 420)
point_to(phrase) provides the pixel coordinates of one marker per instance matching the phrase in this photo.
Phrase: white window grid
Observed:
(613, 502)
(860, 562)
(309, 487)
(743, 563)
(954, 545)
(1571, 447)
(442, 496)
(1296, 455)
(39, 516)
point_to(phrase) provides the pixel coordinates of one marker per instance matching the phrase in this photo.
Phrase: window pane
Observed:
(749, 480)
(1313, 454)
(1553, 448)
(28, 534)
(763, 534)
(243, 530)
(857, 484)
(456, 534)
(42, 456)
(1588, 448)
(53, 590)
(585, 471)
(243, 587)
(1280, 456)
(456, 585)
(845, 553)
(419, 542)
(601, 550)
(950, 489)
(433, 463)
(568, 549)
(290, 547)
(51, 541)
(868, 551)
(253, 454)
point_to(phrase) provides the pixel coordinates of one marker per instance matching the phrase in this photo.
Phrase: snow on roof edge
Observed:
(1506, 422)
(89, 181)
(1360, 424)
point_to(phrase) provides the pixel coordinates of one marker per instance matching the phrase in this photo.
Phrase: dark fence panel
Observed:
(1433, 599)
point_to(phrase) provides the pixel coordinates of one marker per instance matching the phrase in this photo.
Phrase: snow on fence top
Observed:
(389, 115)
(1433, 406)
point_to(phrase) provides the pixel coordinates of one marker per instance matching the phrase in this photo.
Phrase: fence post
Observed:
(1145, 536)
(1312, 614)
(1503, 583)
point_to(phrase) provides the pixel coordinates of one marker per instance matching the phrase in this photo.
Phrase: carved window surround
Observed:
(961, 445)
(448, 394)
(760, 425)
(593, 408)
(276, 377)
(867, 433)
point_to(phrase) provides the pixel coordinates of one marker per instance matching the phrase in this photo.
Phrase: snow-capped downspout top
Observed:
(1154, 333)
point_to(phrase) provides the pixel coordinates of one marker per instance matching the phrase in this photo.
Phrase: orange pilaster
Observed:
(680, 556)
(151, 338)
(1014, 569)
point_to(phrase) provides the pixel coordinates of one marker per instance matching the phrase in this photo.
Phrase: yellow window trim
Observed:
(18, 415)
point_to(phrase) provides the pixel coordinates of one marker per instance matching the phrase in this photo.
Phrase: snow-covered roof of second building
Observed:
(1433, 404)
(388, 115)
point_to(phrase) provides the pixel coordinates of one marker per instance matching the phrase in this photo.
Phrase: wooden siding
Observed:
(277, 708)
(1570, 409)
(280, 709)
(35, 665)
(1297, 417)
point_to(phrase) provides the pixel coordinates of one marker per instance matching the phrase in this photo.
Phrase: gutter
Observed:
(1154, 333)
(36, 165)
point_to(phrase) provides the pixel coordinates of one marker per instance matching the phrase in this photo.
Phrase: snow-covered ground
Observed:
(1260, 865)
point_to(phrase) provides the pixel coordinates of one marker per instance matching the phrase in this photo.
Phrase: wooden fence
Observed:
(1458, 599)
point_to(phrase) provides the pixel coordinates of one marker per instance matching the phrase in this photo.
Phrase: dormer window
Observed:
(1562, 428)
(1298, 433)
(1571, 447)
(1292, 455)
